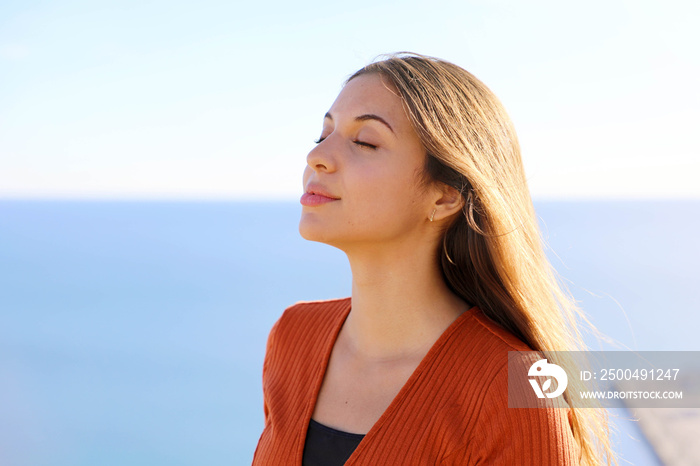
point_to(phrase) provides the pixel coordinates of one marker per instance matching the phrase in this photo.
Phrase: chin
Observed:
(312, 230)
(309, 229)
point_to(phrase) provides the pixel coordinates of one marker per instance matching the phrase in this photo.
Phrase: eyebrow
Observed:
(365, 117)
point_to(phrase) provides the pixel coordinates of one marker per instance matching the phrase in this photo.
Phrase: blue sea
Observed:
(134, 332)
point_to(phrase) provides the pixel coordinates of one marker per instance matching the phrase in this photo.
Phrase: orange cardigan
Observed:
(453, 410)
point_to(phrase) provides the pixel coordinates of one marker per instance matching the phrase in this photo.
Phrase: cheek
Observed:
(386, 191)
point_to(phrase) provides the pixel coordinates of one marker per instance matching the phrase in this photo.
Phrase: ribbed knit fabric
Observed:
(453, 410)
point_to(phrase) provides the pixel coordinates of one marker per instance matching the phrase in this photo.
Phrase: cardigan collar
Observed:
(320, 365)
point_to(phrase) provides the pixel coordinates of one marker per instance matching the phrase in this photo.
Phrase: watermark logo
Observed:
(543, 368)
(604, 379)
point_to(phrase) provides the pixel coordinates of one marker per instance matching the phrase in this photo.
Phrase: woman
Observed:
(417, 177)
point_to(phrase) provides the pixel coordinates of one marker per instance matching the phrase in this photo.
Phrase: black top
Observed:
(328, 447)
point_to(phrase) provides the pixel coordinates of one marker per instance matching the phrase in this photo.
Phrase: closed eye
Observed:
(365, 144)
(359, 143)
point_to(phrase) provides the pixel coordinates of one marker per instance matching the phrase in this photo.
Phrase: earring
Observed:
(432, 215)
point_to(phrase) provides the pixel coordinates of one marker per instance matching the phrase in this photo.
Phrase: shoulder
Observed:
(498, 337)
(316, 309)
(481, 346)
(307, 315)
(307, 322)
(499, 433)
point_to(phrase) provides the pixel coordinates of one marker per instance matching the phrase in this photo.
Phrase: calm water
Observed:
(134, 332)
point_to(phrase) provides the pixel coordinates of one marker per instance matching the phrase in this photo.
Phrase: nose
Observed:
(320, 158)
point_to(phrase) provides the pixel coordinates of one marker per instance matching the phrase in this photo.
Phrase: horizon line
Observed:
(257, 199)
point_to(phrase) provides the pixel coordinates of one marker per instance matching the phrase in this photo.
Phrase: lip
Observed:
(319, 190)
(316, 195)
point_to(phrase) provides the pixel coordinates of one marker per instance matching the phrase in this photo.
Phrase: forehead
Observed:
(370, 93)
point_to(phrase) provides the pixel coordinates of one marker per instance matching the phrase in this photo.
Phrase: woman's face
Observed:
(368, 159)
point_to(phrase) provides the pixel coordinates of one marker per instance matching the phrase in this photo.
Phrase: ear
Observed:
(448, 202)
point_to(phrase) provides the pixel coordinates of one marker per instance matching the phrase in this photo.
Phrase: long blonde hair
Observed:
(492, 254)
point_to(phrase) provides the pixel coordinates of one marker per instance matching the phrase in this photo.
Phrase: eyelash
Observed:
(359, 143)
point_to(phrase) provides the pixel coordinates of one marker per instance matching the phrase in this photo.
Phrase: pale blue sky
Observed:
(216, 99)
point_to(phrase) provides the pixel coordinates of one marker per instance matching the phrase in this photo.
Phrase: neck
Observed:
(400, 303)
